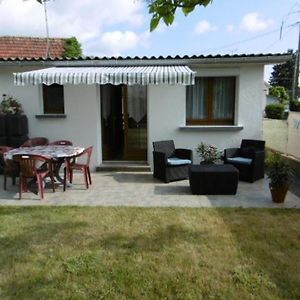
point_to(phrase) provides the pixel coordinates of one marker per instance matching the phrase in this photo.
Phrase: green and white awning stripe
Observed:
(141, 75)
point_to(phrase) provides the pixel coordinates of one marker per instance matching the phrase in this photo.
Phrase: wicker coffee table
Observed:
(213, 179)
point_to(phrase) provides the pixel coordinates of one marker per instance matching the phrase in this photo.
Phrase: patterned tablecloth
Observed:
(54, 152)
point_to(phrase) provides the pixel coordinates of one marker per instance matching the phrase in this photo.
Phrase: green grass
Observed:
(275, 133)
(136, 253)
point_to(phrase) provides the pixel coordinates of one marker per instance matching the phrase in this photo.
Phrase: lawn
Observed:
(144, 253)
(275, 133)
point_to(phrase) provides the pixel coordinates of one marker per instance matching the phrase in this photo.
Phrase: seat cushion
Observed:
(240, 160)
(175, 161)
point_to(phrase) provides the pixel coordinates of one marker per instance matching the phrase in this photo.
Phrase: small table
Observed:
(213, 179)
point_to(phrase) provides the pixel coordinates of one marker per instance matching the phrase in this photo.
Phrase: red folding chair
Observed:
(73, 163)
(34, 166)
(10, 167)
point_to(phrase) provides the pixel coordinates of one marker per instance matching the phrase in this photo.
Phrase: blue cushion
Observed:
(240, 160)
(175, 161)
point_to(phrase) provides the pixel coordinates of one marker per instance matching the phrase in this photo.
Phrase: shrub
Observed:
(274, 111)
(208, 153)
(280, 93)
(278, 170)
(72, 48)
(295, 105)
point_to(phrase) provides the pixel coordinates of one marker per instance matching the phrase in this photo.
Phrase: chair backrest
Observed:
(87, 153)
(167, 147)
(29, 163)
(256, 144)
(11, 168)
(37, 141)
(4, 149)
(61, 143)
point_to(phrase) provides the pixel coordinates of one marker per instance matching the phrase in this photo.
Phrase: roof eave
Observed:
(190, 61)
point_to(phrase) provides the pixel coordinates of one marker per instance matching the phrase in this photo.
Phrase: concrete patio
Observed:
(140, 189)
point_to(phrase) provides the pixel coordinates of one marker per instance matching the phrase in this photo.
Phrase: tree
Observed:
(280, 93)
(72, 48)
(166, 9)
(283, 74)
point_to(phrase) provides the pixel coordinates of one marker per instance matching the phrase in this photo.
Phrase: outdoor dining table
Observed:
(57, 153)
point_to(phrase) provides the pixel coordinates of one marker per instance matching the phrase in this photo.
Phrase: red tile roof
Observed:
(30, 47)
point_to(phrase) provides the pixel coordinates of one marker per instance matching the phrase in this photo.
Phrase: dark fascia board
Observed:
(263, 59)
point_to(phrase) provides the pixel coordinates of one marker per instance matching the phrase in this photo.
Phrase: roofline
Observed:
(262, 59)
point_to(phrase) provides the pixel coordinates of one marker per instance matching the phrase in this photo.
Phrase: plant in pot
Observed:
(15, 120)
(10, 106)
(280, 174)
(208, 153)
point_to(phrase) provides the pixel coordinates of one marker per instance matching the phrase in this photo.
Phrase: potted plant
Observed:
(15, 120)
(280, 174)
(208, 153)
(10, 106)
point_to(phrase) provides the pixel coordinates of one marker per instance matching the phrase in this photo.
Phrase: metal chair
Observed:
(72, 164)
(34, 166)
(37, 141)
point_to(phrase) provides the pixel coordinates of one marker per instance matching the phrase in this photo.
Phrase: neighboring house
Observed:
(30, 47)
(121, 105)
(269, 99)
(272, 99)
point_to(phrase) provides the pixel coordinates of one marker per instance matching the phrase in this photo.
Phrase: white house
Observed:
(121, 105)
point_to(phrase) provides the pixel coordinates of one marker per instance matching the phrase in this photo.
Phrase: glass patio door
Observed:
(135, 122)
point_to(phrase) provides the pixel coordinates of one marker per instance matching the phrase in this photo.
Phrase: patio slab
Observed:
(140, 189)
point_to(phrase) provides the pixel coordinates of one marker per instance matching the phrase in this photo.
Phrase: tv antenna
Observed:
(296, 66)
(47, 29)
(44, 3)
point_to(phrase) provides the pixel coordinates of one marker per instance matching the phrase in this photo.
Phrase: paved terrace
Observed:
(140, 189)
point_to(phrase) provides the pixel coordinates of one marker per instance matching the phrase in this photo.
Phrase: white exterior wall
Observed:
(293, 145)
(82, 109)
(166, 112)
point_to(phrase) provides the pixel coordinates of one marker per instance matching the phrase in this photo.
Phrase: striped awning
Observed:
(141, 75)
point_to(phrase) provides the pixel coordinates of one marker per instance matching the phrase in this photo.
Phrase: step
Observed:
(123, 166)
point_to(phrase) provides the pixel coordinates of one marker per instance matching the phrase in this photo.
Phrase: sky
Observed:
(121, 27)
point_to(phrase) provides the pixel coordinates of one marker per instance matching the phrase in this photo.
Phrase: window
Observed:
(53, 97)
(211, 101)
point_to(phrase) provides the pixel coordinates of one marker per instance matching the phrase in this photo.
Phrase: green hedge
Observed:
(274, 111)
(295, 106)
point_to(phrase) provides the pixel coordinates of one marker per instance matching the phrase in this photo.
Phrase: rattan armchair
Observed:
(170, 164)
(249, 159)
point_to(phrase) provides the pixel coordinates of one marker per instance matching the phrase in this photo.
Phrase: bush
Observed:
(10, 106)
(295, 105)
(280, 93)
(278, 170)
(274, 111)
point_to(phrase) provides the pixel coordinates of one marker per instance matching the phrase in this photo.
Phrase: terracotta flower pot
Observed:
(279, 193)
